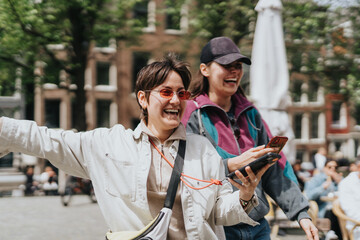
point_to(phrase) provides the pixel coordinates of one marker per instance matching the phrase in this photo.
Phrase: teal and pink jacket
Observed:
(206, 118)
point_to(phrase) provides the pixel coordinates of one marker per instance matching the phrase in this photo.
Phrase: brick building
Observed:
(317, 119)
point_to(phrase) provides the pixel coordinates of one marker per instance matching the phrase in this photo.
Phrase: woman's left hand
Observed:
(312, 233)
(249, 183)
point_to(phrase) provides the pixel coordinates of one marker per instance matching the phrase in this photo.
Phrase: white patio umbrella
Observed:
(269, 76)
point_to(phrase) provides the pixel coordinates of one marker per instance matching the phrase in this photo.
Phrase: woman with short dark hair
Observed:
(130, 170)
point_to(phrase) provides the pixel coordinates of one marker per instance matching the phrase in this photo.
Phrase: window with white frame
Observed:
(296, 90)
(176, 17)
(144, 12)
(52, 113)
(140, 60)
(102, 73)
(339, 115)
(313, 91)
(103, 113)
(314, 128)
(297, 125)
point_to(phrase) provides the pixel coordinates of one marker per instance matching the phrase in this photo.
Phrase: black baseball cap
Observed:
(223, 51)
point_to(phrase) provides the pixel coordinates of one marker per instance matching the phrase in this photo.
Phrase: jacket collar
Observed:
(178, 134)
(238, 99)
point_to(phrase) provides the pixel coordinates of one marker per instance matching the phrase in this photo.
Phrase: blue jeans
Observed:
(247, 232)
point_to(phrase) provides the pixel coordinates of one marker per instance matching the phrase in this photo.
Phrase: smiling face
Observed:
(223, 80)
(164, 115)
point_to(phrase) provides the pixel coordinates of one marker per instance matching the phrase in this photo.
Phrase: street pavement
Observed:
(45, 218)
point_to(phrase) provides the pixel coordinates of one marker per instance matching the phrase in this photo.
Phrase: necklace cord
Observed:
(211, 182)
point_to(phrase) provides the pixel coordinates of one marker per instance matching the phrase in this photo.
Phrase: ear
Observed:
(204, 70)
(142, 99)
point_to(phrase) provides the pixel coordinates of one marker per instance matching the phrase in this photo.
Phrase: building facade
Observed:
(318, 119)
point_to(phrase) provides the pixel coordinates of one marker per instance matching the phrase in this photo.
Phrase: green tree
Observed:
(305, 31)
(213, 18)
(324, 44)
(28, 27)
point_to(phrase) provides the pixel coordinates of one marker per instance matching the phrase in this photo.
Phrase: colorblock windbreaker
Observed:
(206, 118)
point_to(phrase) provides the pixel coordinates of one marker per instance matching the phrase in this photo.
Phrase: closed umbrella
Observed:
(269, 76)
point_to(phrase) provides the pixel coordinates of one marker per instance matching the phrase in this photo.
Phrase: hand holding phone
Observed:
(277, 142)
(257, 164)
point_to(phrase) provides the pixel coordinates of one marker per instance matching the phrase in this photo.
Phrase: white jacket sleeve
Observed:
(61, 148)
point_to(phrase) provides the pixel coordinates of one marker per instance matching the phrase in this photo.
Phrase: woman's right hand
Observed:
(247, 157)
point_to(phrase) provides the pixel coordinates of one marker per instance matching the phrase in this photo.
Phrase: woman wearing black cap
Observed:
(221, 112)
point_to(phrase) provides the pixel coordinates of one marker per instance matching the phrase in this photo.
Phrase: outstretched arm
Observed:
(62, 148)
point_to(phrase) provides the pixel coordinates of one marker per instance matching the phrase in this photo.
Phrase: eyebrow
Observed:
(167, 87)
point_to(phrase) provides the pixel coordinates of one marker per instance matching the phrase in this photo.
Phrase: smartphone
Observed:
(258, 164)
(277, 142)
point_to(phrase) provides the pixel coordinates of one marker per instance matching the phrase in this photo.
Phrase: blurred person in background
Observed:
(353, 167)
(322, 185)
(49, 181)
(301, 175)
(31, 185)
(343, 163)
(349, 198)
(319, 160)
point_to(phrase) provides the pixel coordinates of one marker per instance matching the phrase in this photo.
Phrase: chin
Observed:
(231, 92)
(172, 123)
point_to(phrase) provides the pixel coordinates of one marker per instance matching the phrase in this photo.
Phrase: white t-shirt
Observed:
(349, 197)
(320, 161)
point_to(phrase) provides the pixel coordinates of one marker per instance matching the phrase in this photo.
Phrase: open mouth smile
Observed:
(172, 111)
(230, 80)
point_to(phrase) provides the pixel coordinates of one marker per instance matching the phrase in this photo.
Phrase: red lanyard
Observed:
(211, 182)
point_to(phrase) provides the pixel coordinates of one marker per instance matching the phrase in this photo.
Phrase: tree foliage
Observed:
(213, 18)
(29, 27)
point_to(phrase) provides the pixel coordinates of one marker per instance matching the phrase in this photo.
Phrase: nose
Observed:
(234, 69)
(175, 98)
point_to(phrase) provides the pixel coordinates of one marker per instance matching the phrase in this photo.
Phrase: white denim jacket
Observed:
(117, 160)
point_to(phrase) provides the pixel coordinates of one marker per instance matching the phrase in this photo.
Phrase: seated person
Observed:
(324, 184)
(349, 197)
(49, 181)
(301, 175)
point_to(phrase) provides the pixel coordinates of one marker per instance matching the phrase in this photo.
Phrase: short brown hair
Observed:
(155, 73)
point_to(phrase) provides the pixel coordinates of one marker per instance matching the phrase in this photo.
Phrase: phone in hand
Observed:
(258, 164)
(277, 142)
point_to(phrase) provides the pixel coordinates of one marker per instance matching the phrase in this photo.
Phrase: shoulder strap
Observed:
(175, 176)
(201, 127)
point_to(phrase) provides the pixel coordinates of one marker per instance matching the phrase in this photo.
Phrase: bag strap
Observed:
(175, 176)
(201, 127)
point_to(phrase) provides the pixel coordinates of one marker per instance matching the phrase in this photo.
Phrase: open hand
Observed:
(249, 183)
(309, 228)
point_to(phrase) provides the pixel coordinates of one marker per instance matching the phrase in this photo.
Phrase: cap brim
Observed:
(232, 57)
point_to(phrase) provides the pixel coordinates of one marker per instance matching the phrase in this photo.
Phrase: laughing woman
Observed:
(128, 168)
(221, 112)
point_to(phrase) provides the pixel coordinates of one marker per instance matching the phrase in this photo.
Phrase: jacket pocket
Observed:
(120, 178)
